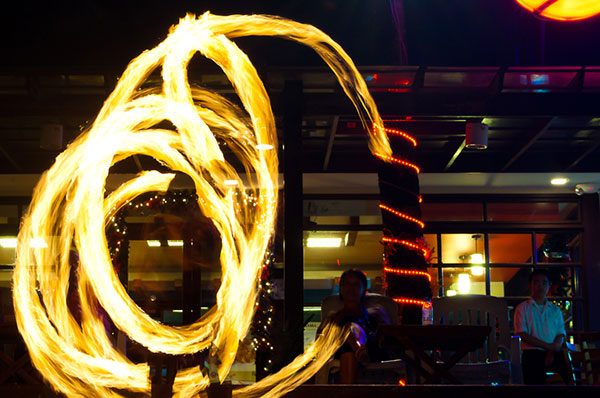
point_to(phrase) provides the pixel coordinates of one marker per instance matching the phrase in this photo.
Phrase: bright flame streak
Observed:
(69, 205)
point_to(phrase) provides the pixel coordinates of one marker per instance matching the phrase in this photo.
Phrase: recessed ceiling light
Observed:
(323, 242)
(11, 243)
(559, 181)
(8, 243)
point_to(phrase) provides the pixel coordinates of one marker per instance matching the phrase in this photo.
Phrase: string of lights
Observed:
(407, 272)
(399, 161)
(403, 300)
(402, 215)
(406, 243)
(395, 132)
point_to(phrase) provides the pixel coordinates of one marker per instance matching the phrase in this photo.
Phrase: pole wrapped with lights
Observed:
(405, 255)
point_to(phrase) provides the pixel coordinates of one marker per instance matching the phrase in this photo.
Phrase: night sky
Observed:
(96, 34)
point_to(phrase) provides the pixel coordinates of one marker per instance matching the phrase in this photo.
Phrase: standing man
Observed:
(540, 325)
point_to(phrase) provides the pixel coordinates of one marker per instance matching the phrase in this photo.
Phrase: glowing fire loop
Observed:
(69, 209)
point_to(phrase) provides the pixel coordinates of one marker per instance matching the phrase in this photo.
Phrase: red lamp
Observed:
(562, 10)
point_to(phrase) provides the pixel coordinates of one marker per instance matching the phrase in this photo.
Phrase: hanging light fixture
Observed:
(476, 136)
(477, 258)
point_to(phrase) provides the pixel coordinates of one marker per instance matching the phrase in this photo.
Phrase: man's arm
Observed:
(534, 341)
(558, 342)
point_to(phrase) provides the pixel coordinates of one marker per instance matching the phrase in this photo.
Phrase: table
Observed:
(417, 339)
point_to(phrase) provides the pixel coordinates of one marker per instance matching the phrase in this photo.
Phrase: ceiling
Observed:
(546, 122)
(543, 118)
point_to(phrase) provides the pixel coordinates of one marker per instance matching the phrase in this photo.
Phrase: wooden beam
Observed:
(591, 149)
(332, 132)
(138, 163)
(528, 144)
(11, 160)
(293, 274)
(456, 154)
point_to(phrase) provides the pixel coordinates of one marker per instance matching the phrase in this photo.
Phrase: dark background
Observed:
(90, 33)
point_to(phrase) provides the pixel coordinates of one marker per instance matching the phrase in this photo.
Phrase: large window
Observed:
(479, 245)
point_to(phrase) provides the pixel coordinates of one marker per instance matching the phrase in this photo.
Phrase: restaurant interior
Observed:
(503, 101)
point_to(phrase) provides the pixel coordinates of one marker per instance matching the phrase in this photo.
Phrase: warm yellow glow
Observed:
(450, 293)
(477, 270)
(38, 243)
(559, 181)
(476, 258)
(323, 242)
(562, 10)
(8, 243)
(153, 243)
(70, 206)
(175, 243)
(464, 283)
(11, 243)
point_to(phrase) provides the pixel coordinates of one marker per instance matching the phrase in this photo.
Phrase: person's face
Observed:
(539, 286)
(352, 289)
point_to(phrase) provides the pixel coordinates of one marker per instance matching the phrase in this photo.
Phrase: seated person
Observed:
(361, 346)
(540, 325)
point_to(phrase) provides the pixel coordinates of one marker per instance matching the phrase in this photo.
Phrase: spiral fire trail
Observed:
(69, 209)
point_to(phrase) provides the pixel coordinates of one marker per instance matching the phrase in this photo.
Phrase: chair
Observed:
(484, 366)
(585, 359)
(385, 372)
(555, 378)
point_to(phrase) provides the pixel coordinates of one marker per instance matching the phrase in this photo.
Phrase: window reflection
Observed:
(533, 211)
(156, 280)
(463, 280)
(563, 247)
(463, 249)
(510, 248)
(341, 212)
(514, 282)
(452, 211)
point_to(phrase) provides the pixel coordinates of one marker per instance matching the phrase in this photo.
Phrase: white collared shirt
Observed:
(542, 322)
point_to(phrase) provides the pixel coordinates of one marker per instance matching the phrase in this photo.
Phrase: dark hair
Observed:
(539, 271)
(356, 273)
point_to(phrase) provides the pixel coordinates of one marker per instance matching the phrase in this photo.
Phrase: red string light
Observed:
(401, 382)
(396, 132)
(399, 161)
(407, 272)
(402, 215)
(403, 300)
(406, 243)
